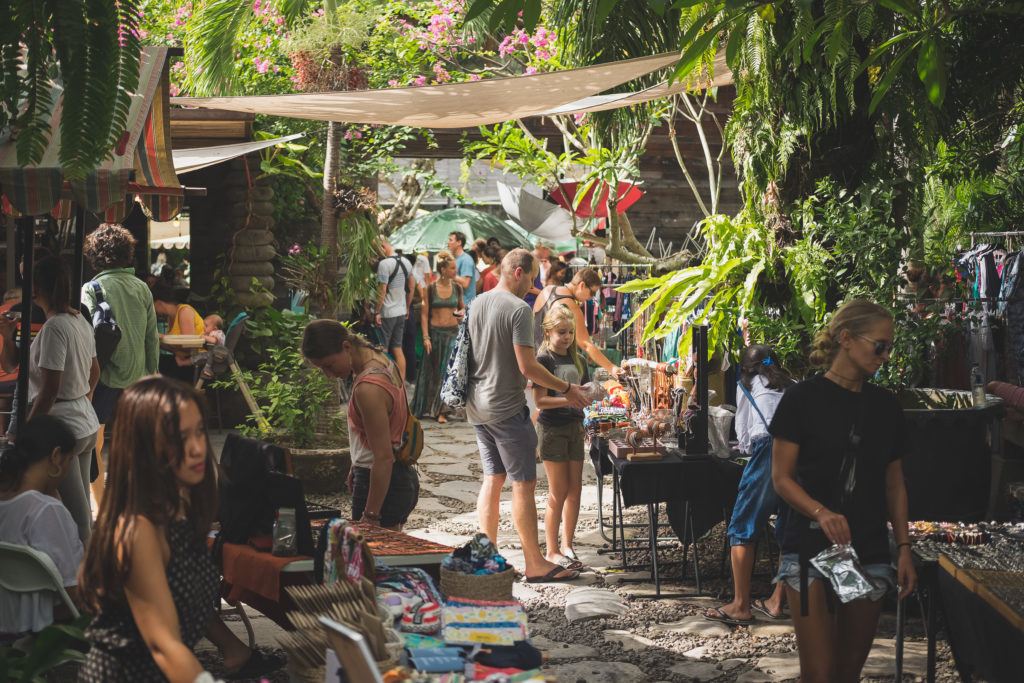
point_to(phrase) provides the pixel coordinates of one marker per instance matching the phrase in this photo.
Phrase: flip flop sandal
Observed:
(552, 576)
(720, 616)
(569, 563)
(258, 665)
(760, 607)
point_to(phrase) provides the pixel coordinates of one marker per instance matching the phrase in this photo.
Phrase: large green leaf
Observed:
(931, 69)
(883, 86)
(694, 52)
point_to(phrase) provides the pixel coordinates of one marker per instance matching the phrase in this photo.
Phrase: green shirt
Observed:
(138, 352)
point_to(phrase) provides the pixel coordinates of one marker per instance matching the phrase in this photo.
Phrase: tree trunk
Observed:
(329, 219)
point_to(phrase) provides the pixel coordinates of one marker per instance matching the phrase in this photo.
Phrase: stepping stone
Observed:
(766, 629)
(594, 671)
(439, 537)
(730, 664)
(881, 660)
(696, 653)
(431, 505)
(615, 578)
(556, 651)
(523, 592)
(755, 677)
(780, 667)
(699, 671)
(698, 626)
(629, 641)
(593, 603)
(465, 491)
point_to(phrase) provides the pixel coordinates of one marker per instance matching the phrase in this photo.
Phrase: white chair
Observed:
(27, 570)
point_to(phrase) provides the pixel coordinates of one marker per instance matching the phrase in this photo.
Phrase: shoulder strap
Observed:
(750, 398)
(97, 291)
(398, 264)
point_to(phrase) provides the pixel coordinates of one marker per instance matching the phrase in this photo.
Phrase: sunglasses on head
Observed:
(881, 347)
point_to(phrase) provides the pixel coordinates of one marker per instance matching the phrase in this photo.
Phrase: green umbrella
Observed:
(559, 247)
(430, 232)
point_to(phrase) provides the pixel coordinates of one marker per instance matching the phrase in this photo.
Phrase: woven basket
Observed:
(494, 587)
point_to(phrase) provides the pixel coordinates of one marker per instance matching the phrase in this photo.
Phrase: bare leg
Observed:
(524, 514)
(234, 652)
(487, 503)
(101, 465)
(742, 557)
(558, 484)
(571, 508)
(399, 360)
(857, 624)
(815, 635)
(774, 603)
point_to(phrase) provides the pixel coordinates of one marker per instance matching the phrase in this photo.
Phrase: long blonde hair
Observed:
(855, 316)
(555, 316)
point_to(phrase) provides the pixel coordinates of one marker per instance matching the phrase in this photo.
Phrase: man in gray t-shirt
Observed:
(394, 297)
(503, 358)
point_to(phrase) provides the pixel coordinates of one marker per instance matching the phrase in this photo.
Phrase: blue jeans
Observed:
(756, 499)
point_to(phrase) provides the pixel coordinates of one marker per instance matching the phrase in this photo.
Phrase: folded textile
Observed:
(480, 556)
(422, 617)
(485, 634)
(438, 660)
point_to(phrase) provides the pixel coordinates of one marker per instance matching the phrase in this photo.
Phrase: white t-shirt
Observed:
(394, 299)
(42, 522)
(749, 425)
(66, 343)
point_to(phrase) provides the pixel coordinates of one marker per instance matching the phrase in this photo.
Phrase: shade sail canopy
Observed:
(457, 105)
(722, 77)
(430, 232)
(195, 158)
(143, 152)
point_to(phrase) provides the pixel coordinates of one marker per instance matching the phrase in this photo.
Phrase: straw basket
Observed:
(493, 587)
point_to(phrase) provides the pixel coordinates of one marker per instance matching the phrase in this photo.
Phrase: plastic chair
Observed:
(27, 570)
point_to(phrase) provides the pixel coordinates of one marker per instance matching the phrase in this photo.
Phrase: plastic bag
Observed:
(841, 567)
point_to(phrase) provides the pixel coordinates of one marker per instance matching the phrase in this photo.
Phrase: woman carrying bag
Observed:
(836, 462)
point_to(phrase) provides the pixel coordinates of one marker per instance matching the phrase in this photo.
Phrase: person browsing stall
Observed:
(384, 491)
(585, 285)
(31, 514)
(560, 433)
(439, 317)
(395, 286)
(184, 320)
(762, 381)
(466, 273)
(836, 460)
(502, 359)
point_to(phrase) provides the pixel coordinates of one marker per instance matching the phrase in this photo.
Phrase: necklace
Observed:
(853, 382)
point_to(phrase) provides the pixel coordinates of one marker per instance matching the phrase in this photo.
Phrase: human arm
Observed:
(425, 318)
(784, 458)
(152, 606)
(410, 289)
(382, 291)
(373, 405)
(532, 369)
(152, 338)
(9, 350)
(94, 376)
(585, 343)
(545, 402)
(896, 501)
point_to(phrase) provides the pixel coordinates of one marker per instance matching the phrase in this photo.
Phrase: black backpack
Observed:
(108, 334)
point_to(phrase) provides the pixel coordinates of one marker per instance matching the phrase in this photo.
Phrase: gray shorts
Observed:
(391, 331)
(509, 447)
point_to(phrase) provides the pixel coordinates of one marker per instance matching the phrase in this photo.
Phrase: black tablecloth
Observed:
(984, 644)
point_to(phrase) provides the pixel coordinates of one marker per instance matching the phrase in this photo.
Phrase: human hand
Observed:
(835, 526)
(576, 397)
(906, 575)
(427, 346)
(617, 371)
(379, 320)
(7, 327)
(348, 480)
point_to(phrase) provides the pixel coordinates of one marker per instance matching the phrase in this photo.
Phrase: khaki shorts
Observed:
(561, 443)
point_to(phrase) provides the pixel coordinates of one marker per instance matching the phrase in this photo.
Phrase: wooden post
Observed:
(26, 230)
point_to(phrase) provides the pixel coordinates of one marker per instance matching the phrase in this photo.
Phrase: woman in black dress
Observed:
(838, 440)
(147, 573)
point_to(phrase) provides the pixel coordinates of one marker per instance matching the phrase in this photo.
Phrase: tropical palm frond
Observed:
(210, 45)
(33, 124)
(10, 55)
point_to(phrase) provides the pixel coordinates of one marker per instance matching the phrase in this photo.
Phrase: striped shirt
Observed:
(138, 352)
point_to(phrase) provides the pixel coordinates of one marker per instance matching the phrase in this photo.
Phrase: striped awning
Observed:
(140, 164)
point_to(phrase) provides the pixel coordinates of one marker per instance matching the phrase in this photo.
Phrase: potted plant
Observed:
(300, 405)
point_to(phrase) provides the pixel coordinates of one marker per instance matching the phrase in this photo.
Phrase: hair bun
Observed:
(823, 348)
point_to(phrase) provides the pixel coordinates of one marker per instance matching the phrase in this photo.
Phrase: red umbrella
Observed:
(565, 195)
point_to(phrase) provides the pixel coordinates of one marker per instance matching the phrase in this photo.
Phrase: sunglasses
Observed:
(881, 347)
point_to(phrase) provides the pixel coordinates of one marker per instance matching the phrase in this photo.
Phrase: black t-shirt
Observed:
(819, 416)
(564, 369)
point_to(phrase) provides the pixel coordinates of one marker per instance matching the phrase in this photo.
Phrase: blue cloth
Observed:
(464, 267)
(882, 575)
(756, 499)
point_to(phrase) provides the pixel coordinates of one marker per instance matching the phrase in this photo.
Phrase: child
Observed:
(560, 435)
(762, 381)
(214, 325)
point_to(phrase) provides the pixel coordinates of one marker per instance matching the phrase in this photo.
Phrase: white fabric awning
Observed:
(174, 234)
(195, 158)
(722, 77)
(457, 105)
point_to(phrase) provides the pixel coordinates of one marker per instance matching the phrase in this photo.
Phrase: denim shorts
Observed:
(756, 499)
(391, 331)
(883, 575)
(509, 447)
(400, 500)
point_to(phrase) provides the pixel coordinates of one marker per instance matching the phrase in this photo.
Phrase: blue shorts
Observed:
(756, 499)
(883, 575)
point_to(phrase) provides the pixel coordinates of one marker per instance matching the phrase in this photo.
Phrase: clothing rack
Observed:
(1004, 233)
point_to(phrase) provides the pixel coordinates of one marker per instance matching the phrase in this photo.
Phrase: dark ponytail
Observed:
(36, 440)
(760, 359)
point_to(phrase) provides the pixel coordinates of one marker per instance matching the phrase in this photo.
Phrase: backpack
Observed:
(105, 327)
(455, 386)
(538, 317)
(394, 273)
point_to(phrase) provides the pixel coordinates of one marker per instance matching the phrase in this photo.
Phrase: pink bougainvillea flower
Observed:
(474, 77)
(294, 250)
(530, 70)
(419, 80)
(393, 83)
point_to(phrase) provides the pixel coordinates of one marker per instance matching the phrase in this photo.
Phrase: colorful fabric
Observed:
(479, 556)
(469, 622)
(154, 164)
(422, 616)
(426, 401)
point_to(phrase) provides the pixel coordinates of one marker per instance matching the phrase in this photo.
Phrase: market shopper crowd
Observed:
(824, 453)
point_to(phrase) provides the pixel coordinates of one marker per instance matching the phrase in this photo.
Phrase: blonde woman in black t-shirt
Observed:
(838, 440)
